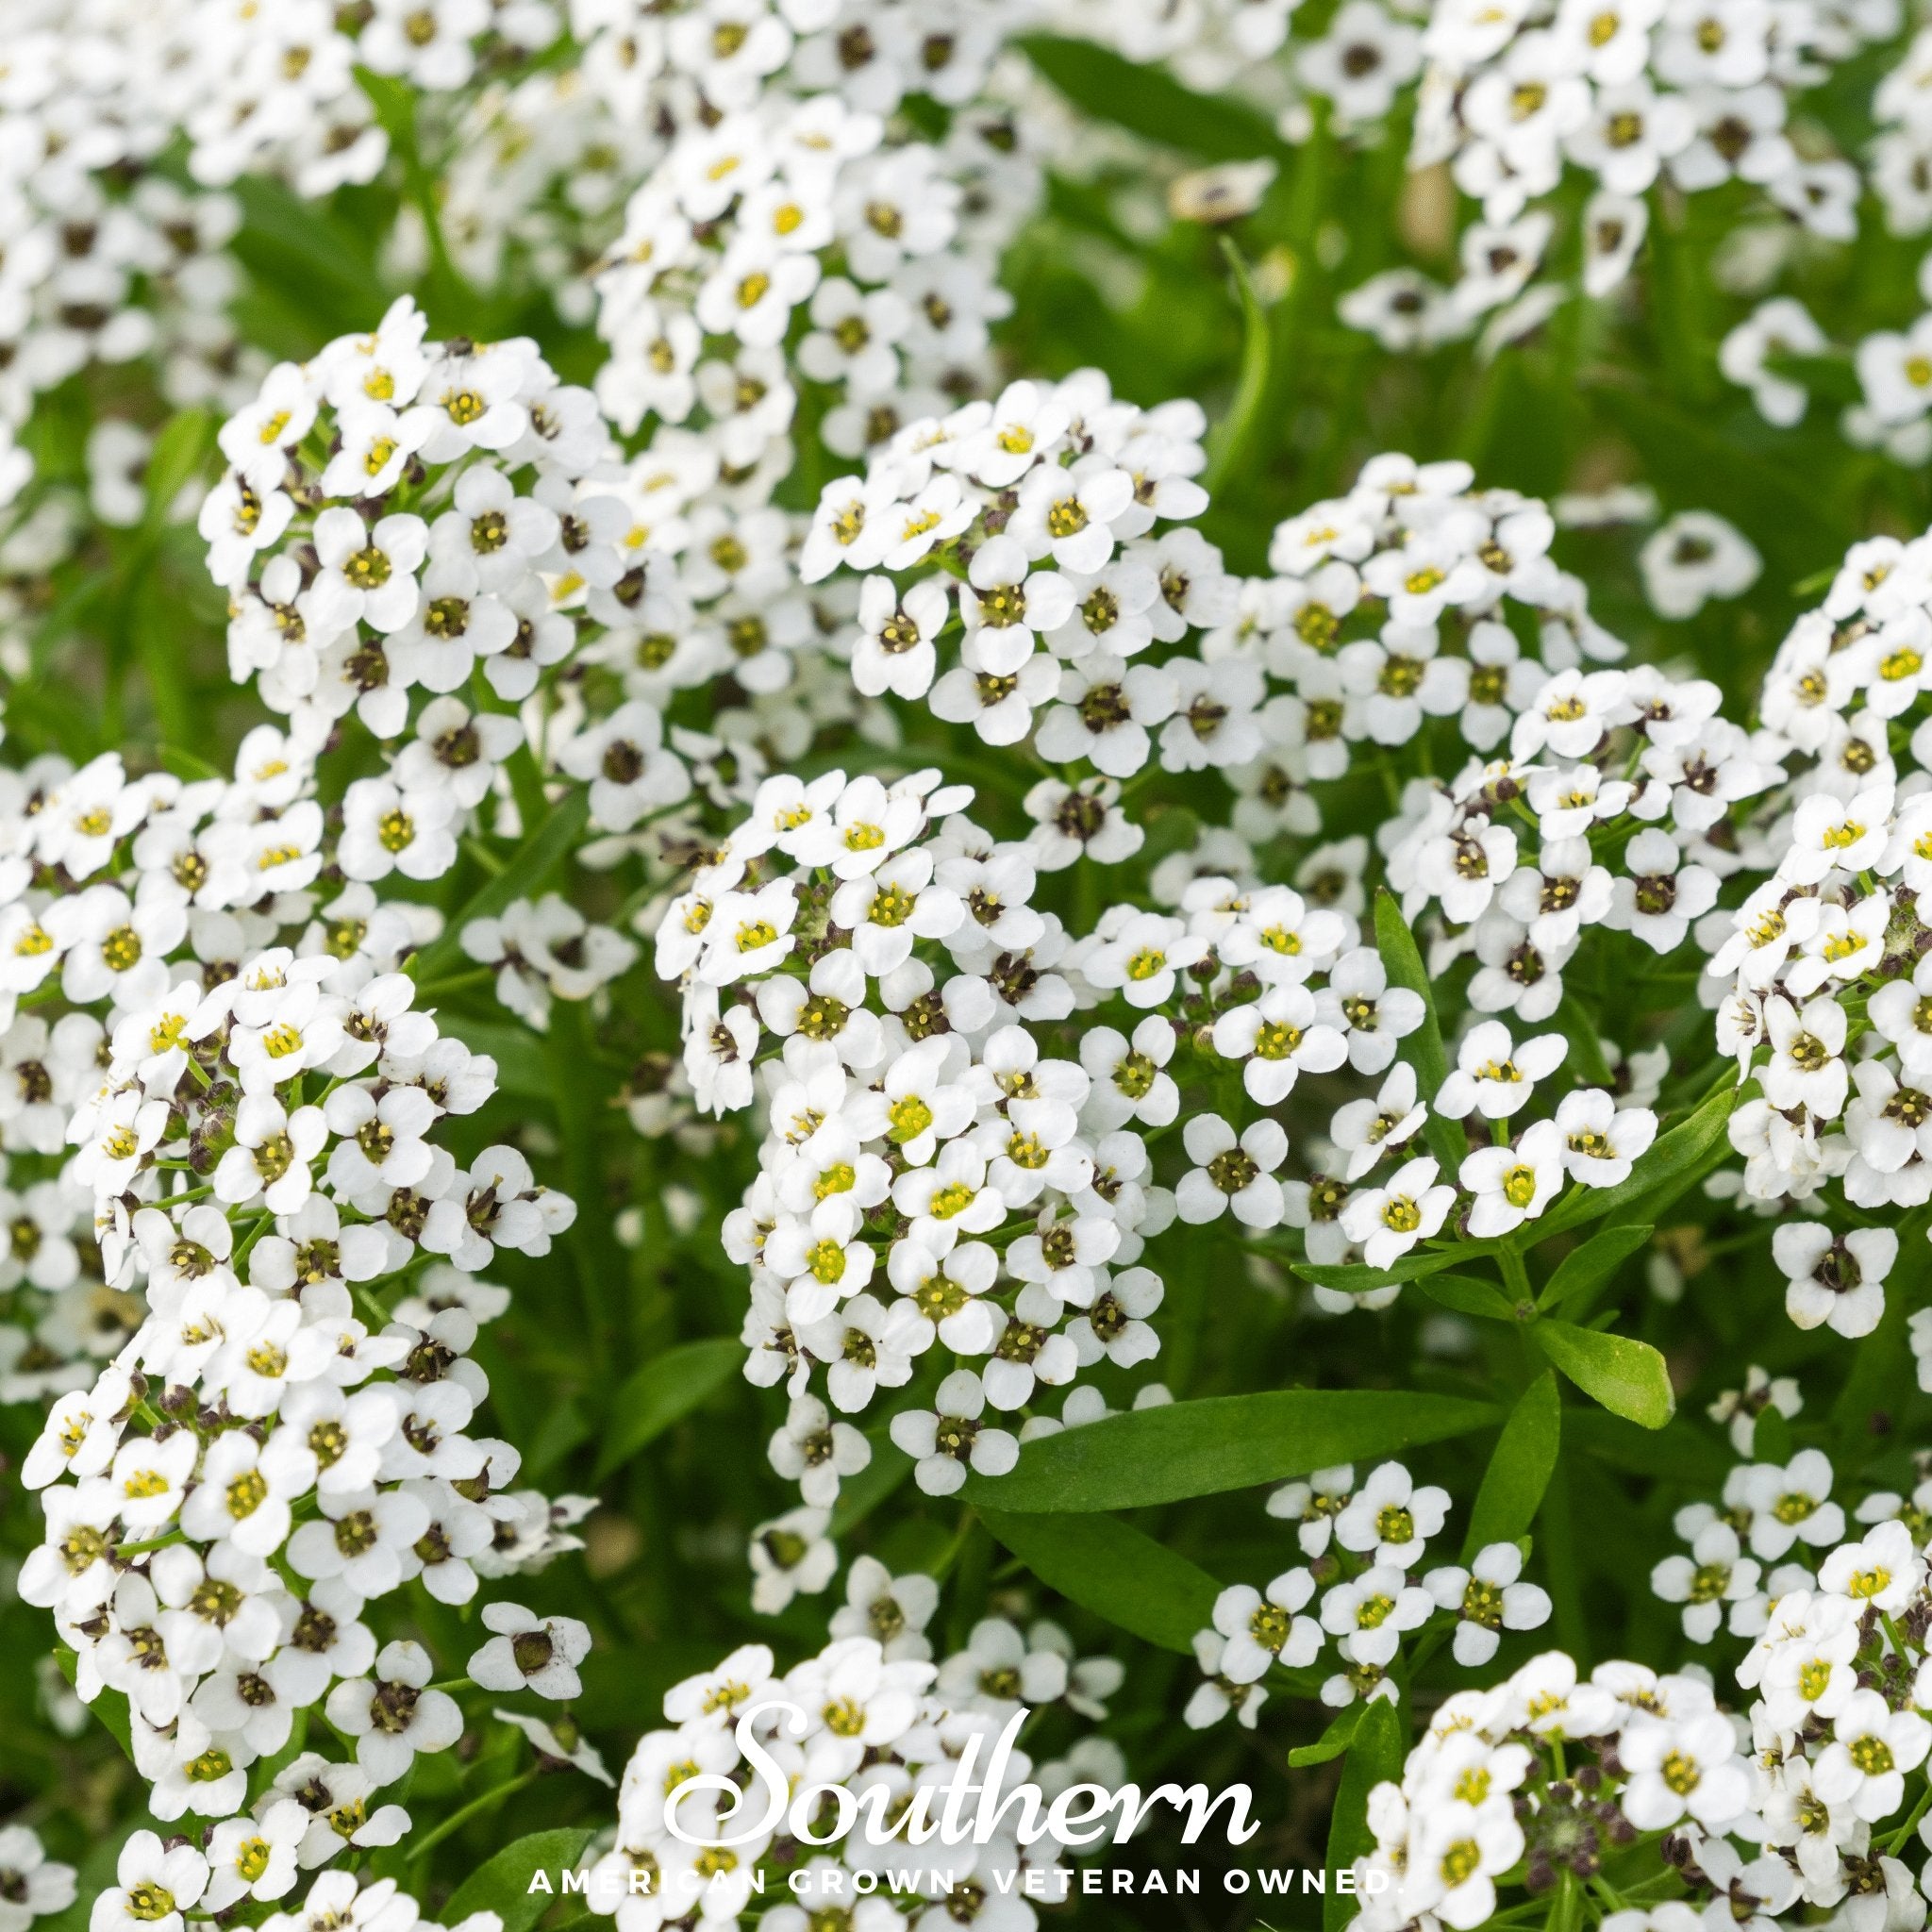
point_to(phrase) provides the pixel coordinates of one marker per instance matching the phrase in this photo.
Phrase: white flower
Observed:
(1232, 1174)
(529, 1652)
(1682, 1766)
(153, 1887)
(947, 1440)
(1790, 1504)
(1806, 1069)
(1392, 1516)
(1873, 1748)
(1512, 1185)
(815, 1451)
(1389, 1219)
(1837, 1281)
(1369, 1612)
(1263, 1627)
(1487, 1598)
(1493, 1077)
(396, 1715)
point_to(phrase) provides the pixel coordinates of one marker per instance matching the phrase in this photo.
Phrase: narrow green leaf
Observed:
(1469, 1296)
(1150, 102)
(1353, 1277)
(1626, 1375)
(1332, 1742)
(667, 1387)
(502, 1884)
(1833, 378)
(1221, 1442)
(1581, 1272)
(110, 1706)
(522, 1069)
(1424, 1049)
(1232, 433)
(1375, 1756)
(1519, 1472)
(180, 452)
(539, 852)
(1682, 1453)
(1112, 1569)
(1675, 1161)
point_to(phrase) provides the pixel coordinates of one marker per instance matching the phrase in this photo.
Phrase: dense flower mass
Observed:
(820, 815)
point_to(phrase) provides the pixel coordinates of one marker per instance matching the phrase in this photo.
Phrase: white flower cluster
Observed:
(1362, 1544)
(785, 190)
(373, 543)
(1777, 1512)
(253, 1099)
(1893, 366)
(881, 959)
(928, 1172)
(1043, 505)
(1694, 93)
(1819, 977)
(161, 1884)
(107, 259)
(1627, 94)
(1546, 1776)
(1025, 530)
(1788, 1806)
(544, 950)
(880, 1734)
(1893, 369)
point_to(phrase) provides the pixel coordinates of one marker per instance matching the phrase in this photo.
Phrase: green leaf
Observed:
(1580, 1273)
(1220, 1442)
(1353, 1277)
(110, 1706)
(1682, 1454)
(502, 1884)
(1150, 102)
(668, 1387)
(555, 836)
(1626, 1375)
(1833, 378)
(1332, 1742)
(1424, 1048)
(180, 451)
(1757, 485)
(1469, 1296)
(1232, 433)
(522, 1069)
(1675, 1161)
(1519, 1472)
(1375, 1756)
(1112, 1569)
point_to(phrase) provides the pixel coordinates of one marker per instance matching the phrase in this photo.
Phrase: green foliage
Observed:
(1376, 1750)
(664, 1389)
(1182, 1449)
(1628, 1377)
(1424, 1048)
(1108, 1567)
(1520, 1470)
(502, 1884)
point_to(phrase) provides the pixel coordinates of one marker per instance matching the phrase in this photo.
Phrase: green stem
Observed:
(474, 1809)
(1906, 1830)
(1515, 1275)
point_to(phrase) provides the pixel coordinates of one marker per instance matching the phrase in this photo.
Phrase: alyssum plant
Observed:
(1194, 1083)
